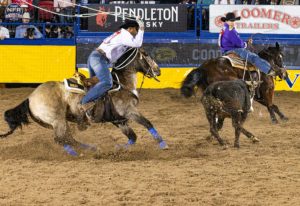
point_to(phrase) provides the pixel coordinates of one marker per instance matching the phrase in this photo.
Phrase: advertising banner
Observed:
(177, 60)
(157, 17)
(258, 18)
(190, 54)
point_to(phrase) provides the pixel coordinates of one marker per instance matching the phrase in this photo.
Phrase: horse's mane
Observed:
(270, 52)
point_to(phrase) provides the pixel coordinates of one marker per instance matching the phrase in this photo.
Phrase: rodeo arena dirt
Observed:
(188, 166)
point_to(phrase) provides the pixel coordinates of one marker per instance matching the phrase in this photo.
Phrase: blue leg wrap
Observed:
(155, 134)
(130, 142)
(163, 145)
(87, 146)
(70, 150)
(157, 137)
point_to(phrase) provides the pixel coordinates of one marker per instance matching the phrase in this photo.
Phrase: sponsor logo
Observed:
(290, 82)
(258, 14)
(102, 16)
(164, 54)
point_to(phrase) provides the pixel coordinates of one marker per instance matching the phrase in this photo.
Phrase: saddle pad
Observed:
(240, 63)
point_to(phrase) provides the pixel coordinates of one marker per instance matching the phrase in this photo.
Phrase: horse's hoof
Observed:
(236, 145)
(87, 146)
(225, 146)
(285, 119)
(254, 139)
(274, 121)
(130, 142)
(209, 138)
(70, 150)
(163, 145)
(125, 146)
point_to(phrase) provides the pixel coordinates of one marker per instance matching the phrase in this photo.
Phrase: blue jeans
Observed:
(254, 59)
(99, 67)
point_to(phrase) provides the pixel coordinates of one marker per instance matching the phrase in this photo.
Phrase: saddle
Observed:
(79, 84)
(238, 62)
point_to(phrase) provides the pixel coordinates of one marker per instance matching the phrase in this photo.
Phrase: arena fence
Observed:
(177, 37)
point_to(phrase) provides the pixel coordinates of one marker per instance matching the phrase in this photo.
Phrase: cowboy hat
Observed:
(230, 16)
(26, 15)
(130, 23)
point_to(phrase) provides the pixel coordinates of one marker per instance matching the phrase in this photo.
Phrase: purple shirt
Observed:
(231, 40)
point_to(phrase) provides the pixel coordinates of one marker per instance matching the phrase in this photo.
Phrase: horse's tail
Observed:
(16, 117)
(195, 77)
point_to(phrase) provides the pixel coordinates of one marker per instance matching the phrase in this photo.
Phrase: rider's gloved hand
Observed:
(250, 41)
(141, 23)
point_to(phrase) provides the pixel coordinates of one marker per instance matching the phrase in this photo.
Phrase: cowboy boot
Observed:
(272, 73)
(87, 109)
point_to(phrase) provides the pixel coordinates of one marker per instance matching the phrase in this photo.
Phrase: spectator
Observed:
(3, 5)
(65, 7)
(190, 4)
(4, 33)
(205, 13)
(21, 31)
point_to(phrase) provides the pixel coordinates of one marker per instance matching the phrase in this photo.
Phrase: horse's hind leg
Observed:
(128, 131)
(270, 109)
(280, 114)
(64, 137)
(139, 118)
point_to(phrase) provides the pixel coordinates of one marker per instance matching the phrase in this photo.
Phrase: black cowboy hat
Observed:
(130, 23)
(230, 16)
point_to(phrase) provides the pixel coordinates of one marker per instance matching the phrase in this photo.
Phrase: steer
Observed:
(229, 99)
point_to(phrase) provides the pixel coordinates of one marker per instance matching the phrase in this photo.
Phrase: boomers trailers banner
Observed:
(157, 17)
(258, 19)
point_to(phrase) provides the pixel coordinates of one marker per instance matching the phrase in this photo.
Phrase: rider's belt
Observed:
(102, 53)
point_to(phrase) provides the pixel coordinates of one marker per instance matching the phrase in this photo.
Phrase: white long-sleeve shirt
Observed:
(116, 44)
(4, 32)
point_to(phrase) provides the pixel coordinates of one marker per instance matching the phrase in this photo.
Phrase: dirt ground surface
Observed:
(194, 171)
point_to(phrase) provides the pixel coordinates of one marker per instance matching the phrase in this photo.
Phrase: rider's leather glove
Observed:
(140, 23)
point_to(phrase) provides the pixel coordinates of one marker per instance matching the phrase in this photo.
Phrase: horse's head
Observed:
(274, 56)
(147, 65)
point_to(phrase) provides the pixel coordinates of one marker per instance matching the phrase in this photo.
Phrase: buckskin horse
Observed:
(52, 106)
(222, 69)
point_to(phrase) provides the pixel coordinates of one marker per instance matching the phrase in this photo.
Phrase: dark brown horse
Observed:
(52, 106)
(220, 69)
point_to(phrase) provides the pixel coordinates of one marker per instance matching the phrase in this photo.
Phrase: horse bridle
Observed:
(149, 73)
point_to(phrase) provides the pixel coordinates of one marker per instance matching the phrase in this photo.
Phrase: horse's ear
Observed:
(277, 46)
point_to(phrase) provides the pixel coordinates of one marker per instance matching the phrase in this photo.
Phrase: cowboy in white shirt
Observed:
(113, 47)
(4, 33)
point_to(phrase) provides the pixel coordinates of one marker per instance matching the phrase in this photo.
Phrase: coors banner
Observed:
(157, 17)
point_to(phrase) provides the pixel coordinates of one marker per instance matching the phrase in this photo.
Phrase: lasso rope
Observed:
(86, 15)
(135, 52)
